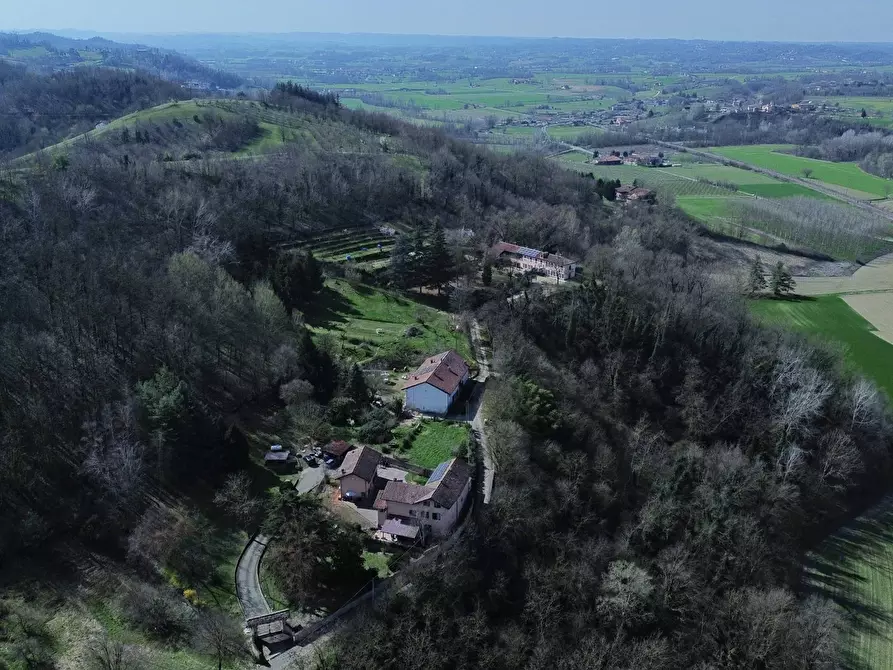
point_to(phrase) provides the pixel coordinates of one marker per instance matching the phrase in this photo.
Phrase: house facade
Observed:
(356, 476)
(434, 508)
(433, 387)
(534, 260)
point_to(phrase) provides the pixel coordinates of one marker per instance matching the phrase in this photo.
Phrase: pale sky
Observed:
(780, 20)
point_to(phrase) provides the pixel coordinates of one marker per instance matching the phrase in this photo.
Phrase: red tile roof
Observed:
(444, 371)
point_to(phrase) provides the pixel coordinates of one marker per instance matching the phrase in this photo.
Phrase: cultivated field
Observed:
(830, 318)
(854, 568)
(849, 176)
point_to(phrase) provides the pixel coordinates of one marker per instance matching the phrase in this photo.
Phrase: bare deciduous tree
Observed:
(236, 499)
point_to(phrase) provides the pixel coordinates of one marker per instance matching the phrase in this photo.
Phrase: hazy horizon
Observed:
(760, 20)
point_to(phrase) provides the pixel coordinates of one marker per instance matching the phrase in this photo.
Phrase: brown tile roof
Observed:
(444, 487)
(362, 462)
(444, 371)
(402, 492)
(449, 487)
(337, 448)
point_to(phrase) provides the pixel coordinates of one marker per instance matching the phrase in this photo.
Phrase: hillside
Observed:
(46, 53)
(198, 280)
(38, 110)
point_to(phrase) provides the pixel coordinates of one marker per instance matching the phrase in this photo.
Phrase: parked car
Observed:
(311, 461)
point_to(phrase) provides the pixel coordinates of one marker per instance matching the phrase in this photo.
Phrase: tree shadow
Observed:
(829, 572)
(330, 308)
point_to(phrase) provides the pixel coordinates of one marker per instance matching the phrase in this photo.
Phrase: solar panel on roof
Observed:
(439, 472)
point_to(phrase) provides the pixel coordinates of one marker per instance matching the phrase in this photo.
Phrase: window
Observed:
(426, 504)
(412, 512)
(435, 516)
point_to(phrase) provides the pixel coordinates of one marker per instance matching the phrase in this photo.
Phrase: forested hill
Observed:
(45, 52)
(118, 266)
(663, 463)
(38, 110)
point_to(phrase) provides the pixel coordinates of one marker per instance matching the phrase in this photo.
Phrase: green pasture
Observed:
(365, 322)
(845, 175)
(829, 318)
(854, 569)
(746, 181)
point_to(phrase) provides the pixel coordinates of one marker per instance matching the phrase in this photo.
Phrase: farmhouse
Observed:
(434, 507)
(630, 193)
(357, 474)
(542, 262)
(610, 160)
(433, 387)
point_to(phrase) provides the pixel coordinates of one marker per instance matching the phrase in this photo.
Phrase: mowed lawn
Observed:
(846, 175)
(830, 318)
(854, 568)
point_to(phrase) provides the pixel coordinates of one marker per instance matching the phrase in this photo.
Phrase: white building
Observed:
(434, 507)
(433, 387)
(534, 260)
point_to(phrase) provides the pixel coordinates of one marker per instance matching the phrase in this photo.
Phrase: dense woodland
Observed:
(663, 463)
(39, 110)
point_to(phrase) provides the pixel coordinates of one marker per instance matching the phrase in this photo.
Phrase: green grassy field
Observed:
(366, 322)
(436, 443)
(846, 175)
(830, 318)
(853, 568)
(746, 180)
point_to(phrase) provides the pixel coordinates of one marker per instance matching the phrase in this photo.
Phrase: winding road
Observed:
(248, 589)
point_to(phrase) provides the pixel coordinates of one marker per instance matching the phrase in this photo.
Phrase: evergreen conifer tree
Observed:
(756, 282)
(782, 283)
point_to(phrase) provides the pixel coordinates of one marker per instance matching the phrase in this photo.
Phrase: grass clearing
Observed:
(831, 318)
(845, 175)
(365, 322)
(436, 442)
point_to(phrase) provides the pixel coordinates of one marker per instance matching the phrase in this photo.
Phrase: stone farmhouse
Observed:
(534, 260)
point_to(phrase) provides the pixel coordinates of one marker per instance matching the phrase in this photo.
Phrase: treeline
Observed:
(37, 110)
(663, 464)
(826, 227)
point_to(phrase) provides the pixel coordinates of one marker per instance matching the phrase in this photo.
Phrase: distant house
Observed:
(610, 160)
(526, 259)
(433, 387)
(641, 194)
(357, 474)
(623, 192)
(434, 507)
